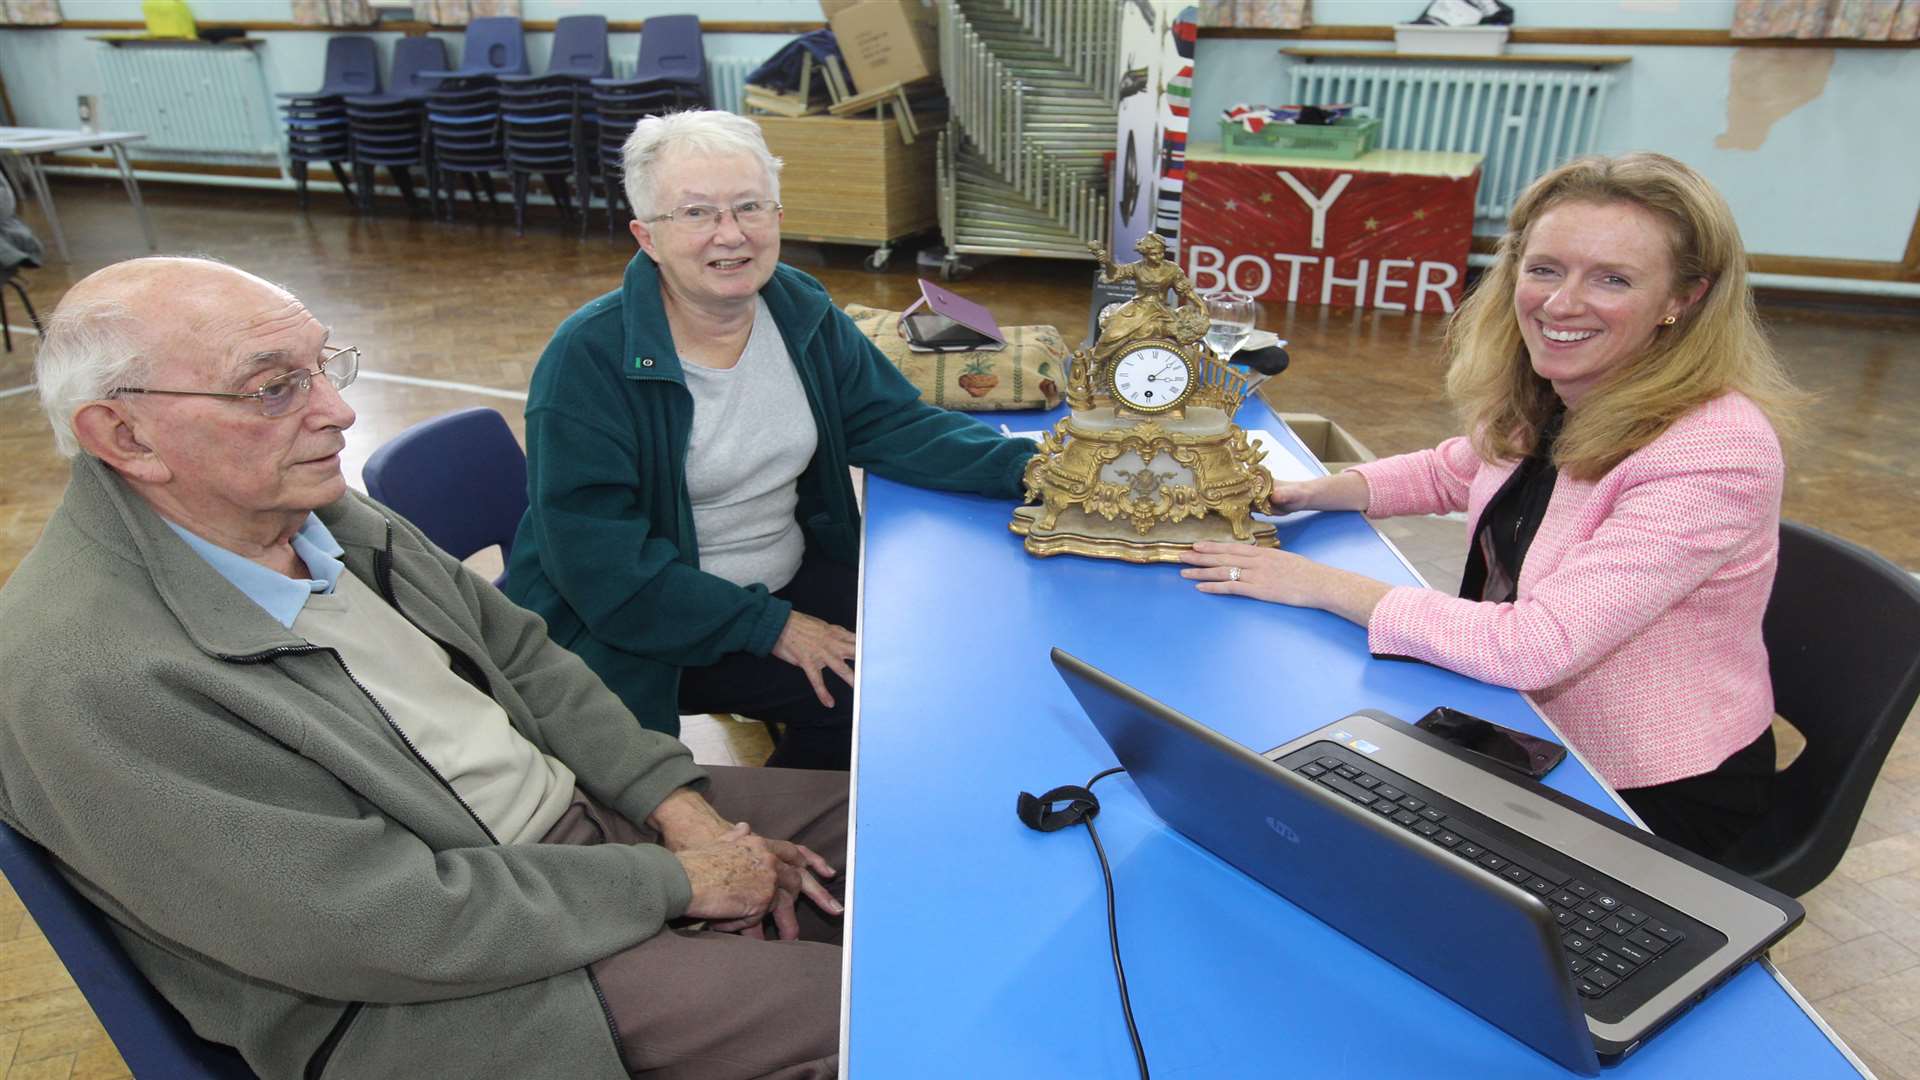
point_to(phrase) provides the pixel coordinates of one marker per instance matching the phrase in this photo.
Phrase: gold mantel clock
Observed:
(1148, 460)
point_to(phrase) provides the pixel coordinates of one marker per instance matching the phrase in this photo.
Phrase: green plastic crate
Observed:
(1342, 140)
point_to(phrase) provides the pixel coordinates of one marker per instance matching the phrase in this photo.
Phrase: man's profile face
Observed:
(230, 464)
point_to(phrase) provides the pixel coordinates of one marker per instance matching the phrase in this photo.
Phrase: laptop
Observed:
(1570, 930)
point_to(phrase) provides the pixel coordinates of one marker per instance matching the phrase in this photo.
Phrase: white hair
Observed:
(696, 131)
(87, 351)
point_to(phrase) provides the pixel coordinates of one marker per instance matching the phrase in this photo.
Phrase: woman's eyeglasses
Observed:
(704, 217)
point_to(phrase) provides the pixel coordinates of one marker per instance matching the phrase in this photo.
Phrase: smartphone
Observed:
(1525, 754)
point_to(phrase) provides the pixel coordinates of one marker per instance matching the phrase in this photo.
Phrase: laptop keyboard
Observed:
(1609, 934)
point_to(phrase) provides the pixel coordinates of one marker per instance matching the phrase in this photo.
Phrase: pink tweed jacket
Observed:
(1636, 623)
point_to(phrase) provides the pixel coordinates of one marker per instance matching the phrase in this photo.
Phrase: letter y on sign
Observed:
(1319, 205)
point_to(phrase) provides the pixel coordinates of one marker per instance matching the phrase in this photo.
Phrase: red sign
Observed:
(1328, 234)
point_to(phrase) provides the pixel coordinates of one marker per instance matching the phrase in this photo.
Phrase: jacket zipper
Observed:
(382, 569)
(383, 577)
(301, 650)
(606, 1010)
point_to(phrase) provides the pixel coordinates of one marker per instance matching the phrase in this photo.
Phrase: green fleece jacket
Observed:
(607, 552)
(270, 850)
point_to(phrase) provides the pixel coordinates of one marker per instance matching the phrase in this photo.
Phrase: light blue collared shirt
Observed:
(282, 597)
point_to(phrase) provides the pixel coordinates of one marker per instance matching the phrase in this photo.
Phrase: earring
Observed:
(1668, 321)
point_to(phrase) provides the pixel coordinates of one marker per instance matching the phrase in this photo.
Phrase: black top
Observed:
(1509, 522)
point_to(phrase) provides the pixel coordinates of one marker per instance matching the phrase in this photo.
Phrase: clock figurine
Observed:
(1148, 459)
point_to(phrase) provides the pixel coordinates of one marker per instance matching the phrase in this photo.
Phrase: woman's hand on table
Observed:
(1281, 577)
(815, 646)
(1341, 491)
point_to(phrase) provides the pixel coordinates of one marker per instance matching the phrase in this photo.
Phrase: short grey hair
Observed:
(87, 351)
(696, 131)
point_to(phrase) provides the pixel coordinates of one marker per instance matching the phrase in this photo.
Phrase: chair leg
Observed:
(363, 187)
(6, 332)
(486, 179)
(403, 179)
(345, 186)
(583, 182)
(562, 193)
(300, 180)
(521, 181)
(32, 315)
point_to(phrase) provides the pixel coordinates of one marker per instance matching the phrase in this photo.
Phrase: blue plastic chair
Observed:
(493, 46)
(390, 129)
(462, 478)
(353, 67)
(544, 115)
(317, 119)
(579, 52)
(673, 55)
(152, 1037)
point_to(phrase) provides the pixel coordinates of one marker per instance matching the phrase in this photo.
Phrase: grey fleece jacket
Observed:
(272, 853)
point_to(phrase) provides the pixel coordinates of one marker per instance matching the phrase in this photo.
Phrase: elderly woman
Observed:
(1622, 487)
(692, 531)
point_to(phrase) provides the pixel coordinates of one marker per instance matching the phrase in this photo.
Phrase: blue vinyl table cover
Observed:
(978, 948)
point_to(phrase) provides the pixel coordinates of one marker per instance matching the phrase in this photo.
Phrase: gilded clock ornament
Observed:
(1148, 460)
(1151, 377)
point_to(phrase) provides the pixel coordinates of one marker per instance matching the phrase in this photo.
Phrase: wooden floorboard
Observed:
(470, 303)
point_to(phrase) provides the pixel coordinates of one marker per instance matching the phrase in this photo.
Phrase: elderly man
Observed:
(347, 807)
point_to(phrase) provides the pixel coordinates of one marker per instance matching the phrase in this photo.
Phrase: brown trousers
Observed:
(704, 1006)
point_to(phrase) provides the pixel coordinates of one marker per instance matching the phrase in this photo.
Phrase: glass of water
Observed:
(1229, 321)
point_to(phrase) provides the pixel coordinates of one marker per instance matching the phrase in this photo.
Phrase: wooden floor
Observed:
(471, 304)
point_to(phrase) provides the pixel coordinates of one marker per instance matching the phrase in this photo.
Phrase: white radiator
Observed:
(207, 102)
(726, 77)
(1525, 122)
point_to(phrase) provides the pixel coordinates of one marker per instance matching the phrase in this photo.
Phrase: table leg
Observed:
(133, 193)
(46, 205)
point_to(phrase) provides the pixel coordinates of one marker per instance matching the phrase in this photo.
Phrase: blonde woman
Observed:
(1621, 481)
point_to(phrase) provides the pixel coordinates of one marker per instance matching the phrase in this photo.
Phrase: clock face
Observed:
(1151, 378)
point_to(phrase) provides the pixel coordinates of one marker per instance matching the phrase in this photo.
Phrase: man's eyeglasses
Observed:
(281, 394)
(705, 217)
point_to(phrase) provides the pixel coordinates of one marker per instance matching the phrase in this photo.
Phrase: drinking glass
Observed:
(1229, 321)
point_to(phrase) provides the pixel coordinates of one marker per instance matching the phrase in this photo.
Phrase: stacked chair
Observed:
(391, 129)
(317, 120)
(670, 74)
(545, 116)
(463, 107)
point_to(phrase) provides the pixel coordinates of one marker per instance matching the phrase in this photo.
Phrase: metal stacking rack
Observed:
(1034, 89)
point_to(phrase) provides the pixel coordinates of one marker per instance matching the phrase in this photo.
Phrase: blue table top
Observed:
(979, 947)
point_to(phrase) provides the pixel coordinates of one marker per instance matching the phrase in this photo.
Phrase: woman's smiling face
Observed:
(1596, 280)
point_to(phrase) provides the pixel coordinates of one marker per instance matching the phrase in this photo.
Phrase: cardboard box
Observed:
(884, 42)
(854, 180)
(1327, 440)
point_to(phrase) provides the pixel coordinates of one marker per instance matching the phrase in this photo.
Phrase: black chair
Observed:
(1843, 640)
(317, 119)
(462, 478)
(389, 130)
(153, 1038)
(10, 277)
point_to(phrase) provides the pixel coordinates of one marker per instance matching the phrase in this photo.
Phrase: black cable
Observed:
(1113, 933)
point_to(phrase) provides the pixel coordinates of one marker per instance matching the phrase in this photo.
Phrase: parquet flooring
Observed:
(471, 303)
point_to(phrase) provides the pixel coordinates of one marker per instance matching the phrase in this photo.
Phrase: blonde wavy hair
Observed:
(1716, 345)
